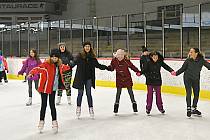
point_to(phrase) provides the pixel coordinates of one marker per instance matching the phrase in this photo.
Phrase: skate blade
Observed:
(195, 115)
(78, 117)
(135, 113)
(116, 114)
(189, 117)
(55, 130)
(40, 131)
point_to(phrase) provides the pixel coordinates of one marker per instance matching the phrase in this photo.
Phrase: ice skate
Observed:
(29, 103)
(135, 110)
(116, 106)
(58, 100)
(196, 112)
(55, 126)
(69, 100)
(148, 112)
(189, 112)
(91, 112)
(41, 126)
(78, 112)
(162, 111)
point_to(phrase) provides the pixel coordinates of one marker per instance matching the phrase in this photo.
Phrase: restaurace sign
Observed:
(21, 5)
(26, 7)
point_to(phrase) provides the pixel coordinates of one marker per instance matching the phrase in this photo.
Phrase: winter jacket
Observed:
(152, 72)
(66, 58)
(47, 72)
(28, 65)
(143, 60)
(3, 64)
(192, 68)
(83, 64)
(123, 75)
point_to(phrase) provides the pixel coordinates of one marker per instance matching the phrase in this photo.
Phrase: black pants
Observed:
(189, 85)
(87, 85)
(44, 105)
(36, 82)
(3, 75)
(130, 91)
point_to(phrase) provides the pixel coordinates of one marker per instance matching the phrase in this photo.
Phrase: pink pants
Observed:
(157, 90)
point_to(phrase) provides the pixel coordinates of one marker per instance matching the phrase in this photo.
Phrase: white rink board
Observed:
(168, 80)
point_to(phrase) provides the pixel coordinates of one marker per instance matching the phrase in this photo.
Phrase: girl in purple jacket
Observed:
(31, 62)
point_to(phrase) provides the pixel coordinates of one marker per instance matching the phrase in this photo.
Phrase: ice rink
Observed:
(19, 122)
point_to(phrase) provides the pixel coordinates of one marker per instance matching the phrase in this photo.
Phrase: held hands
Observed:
(173, 73)
(138, 74)
(30, 75)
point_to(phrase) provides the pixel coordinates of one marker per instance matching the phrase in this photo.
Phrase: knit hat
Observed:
(55, 53)
(61, 43)
(144, 49)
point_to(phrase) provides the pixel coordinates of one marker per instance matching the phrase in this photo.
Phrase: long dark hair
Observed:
(84, 54)
(160, 57)
(198, 51)
(36, 56)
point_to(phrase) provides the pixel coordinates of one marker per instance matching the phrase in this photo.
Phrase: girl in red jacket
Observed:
(51, 80)
(121, 63)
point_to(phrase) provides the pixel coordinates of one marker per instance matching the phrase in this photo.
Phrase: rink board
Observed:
(171, 84)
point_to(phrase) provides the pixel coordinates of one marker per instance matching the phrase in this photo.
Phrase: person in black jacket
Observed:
(153, 80)
(85, 76)
(191, 68)
(144, 58)
(67, 59)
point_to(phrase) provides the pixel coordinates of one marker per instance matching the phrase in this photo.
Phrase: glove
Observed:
(108, 68)
(138, 74)
(173, 73)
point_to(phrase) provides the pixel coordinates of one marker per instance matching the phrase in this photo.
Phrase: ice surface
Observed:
(19, 122)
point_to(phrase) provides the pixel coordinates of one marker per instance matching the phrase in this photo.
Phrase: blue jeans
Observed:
(87, 85)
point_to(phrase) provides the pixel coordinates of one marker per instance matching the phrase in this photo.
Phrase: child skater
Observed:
(153, 80)
(121, 63)
(191, 68)
(31, 62)
(50, 81)
(3, 68)
(85, 76)
(67, 59)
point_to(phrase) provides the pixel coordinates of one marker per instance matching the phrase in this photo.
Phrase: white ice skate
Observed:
(91, 112)
(41, 126)
(78, 111)
(58, 100)
(29, 103)
(69, 100)
(55, 126)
